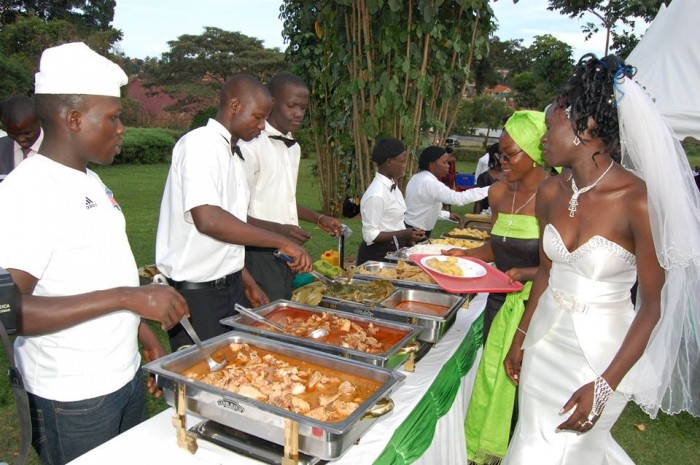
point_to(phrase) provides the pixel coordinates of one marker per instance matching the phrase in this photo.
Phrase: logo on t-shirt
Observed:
(89, 203)
(110, 195)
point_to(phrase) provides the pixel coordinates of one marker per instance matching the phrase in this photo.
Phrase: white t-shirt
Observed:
(204, 171)
(67, 230)
(272, 169)
(382, 209)
(425, 195)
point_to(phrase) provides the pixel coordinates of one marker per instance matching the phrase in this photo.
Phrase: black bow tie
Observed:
(237, 150)
(287, 141)
(234, 148)
(393, 186)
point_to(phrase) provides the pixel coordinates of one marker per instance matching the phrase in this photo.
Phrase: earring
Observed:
(577, 140)
(534, 165)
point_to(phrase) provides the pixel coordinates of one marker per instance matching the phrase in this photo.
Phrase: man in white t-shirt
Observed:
(24, 135)
(82, 307)
(204, 224)
(272, 166)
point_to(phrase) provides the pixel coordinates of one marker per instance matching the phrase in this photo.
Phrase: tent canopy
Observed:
(668, 65)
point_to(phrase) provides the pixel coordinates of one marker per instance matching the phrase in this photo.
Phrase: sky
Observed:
(148, 25)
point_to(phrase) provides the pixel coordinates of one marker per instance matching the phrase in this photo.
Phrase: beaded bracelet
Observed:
(601, 394)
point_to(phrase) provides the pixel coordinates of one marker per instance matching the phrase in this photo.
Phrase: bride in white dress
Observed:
(582, 349)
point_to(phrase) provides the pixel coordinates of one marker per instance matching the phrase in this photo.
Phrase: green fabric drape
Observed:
(415, 434)
(487, 426)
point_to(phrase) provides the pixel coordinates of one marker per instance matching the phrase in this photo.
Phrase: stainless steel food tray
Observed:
(433, 327)
(316, 438)
(399, 254)
(392, 358)
(377, 266)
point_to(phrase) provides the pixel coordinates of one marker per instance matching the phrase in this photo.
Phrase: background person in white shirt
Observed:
(82, 306)
(425, 193)
(383, 207)
(24, 134)
(204, 224)
(272, 167)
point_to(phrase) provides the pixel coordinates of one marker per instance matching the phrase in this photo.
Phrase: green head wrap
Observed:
(527, 128)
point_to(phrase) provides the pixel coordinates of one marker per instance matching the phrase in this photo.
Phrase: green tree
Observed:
(380, 68)
(483, 111)
(27, 28)
(505, 59)
(217, 55)
(530, 92)
(612, 15)
(96, 15)
(196, 66)
(551, 61)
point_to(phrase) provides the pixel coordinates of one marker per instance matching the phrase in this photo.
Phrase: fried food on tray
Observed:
(463, 243)
(448, 266)
(402, 271)
(469, 232)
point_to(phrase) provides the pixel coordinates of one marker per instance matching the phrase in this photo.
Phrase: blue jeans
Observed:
(63, 431)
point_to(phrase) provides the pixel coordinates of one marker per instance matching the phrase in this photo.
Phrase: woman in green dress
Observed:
(513, 247)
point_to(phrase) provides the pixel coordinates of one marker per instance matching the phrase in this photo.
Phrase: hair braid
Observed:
(589, 93)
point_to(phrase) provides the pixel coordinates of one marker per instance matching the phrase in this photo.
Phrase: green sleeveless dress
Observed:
(487, 427)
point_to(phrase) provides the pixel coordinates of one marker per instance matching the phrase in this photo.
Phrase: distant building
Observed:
(499, 91)
(154, 102)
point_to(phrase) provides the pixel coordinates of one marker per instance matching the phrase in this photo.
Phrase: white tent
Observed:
(668, 65)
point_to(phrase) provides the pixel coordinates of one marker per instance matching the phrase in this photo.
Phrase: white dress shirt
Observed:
(272, 169)
(482, 165)
(204, 171)
(382, 209)
(425, 195)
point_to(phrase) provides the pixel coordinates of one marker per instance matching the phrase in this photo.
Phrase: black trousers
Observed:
(207, 307)
(272, 274)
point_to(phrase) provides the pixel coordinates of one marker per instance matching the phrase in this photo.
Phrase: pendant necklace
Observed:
(573, 202)
(515, 212)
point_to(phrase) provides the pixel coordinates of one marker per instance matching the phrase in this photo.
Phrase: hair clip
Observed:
(567, 112)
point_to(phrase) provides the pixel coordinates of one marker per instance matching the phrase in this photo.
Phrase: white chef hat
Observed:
(75, 68)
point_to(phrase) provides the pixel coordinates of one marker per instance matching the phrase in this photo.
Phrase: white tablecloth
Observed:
(153, 442)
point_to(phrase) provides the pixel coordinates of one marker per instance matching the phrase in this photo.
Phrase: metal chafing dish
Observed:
(373, 266)
(433, 326)
(316, 438)
(391, 358)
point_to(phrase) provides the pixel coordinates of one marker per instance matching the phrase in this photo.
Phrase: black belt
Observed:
(220, 283)
(252, 248)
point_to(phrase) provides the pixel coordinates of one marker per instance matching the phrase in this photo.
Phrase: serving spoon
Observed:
(185, 322)
(315, 334)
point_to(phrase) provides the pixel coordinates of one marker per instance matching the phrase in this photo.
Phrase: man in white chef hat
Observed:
(82, 308)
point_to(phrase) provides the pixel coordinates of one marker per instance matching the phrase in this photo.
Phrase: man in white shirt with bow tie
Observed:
(272, 168)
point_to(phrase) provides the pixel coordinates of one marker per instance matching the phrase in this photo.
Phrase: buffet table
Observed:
(425, 427)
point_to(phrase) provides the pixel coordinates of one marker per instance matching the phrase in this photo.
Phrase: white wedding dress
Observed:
(578, 326)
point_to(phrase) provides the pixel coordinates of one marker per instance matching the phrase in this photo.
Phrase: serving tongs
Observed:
(330, 283)
(185, 322)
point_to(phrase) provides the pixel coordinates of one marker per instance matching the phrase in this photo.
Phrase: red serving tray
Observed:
(493, 281)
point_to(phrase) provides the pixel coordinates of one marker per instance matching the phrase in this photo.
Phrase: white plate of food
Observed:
(454, 267)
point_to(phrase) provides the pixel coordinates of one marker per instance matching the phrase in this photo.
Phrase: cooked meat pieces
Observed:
(279, 383)
(349, 333)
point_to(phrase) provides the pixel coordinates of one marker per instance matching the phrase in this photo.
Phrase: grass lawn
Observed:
(665, 440)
